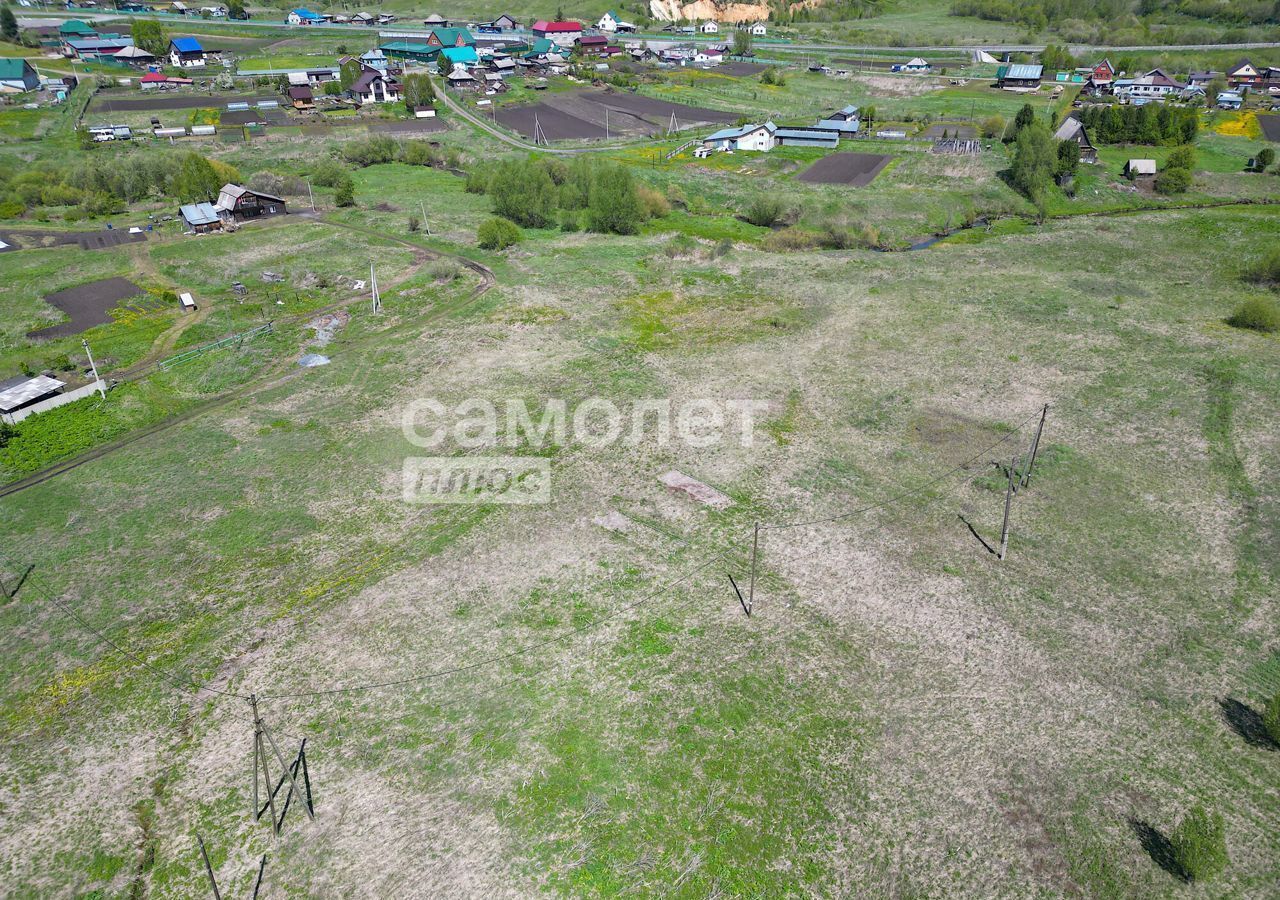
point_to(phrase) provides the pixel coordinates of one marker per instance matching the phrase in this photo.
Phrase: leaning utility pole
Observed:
(377, 298)
(1008, 502)
(93, 367)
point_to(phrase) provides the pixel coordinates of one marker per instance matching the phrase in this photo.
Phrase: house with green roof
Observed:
(17, 76)
(451, 37)
(75, 29)
(460, 56)
(411, 51)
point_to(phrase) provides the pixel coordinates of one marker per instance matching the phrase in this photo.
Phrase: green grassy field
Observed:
(565, 698)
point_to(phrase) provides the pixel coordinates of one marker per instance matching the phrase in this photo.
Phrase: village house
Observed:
(844, 122)
(371, 86)
(435, 20)
(611, 23)
(1020, 77)
(134, 56)
(1072, 129)
(74, 29)
(301, 97)
(236, 204)
(745, 137)
(1154, 85)
(592, 44)
(101, 47)
(915, 65)
(710, 27)
(505, 22)
(466, 57)
(1244, 74)
(187, 53)
(1229, 100)
(17, 76)
(303, 17)
(450, 37)
(566, 34)
(758, 30)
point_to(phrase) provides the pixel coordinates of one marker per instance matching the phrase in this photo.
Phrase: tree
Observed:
(1025, 117)
(742, 42)
(523, 192)
(1266, 156)
(992, 126)
(344, 192)
(1034, 160)
(348, 72)
(150, 36)
(612, 205)
(1068, 158)
(498, 234)
(8, 25)
(418, 90)
(236, 10)
(1183, 157)
(196, 179)
(1200, 844)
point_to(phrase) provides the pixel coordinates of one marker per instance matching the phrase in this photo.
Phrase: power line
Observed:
(911, 491)
(181, 683)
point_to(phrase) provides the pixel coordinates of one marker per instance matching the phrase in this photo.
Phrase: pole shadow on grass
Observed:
(1246, 721)
(973, 531)
(1158, 847)
(11, 592)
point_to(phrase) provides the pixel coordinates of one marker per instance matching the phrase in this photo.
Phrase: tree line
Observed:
(95, 187)
(1152, 123)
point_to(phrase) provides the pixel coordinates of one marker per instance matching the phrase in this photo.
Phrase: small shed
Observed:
(1139, 169)
(25, 390)
(201, 217)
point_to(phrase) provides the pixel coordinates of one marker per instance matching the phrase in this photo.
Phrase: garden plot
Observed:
(1270, 126)
(853, 169)
(180, 101)
(740, 69)
(961, 132)
(86, 240)
(87, 305)
(582, 115)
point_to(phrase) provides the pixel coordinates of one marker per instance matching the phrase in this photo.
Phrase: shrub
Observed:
(420, 153)
(1183, 157)
(569, 221)
(344, 192)
(763, 211)
(11, 209)
(723, 248)
(477, 182)
(328, 173)
(992, 127)
(372, 151)
(652, 203)
(788, 240)
(1265, 269)
(1173, 181)
(1271, 718)
(1258, 314)
(612, 204)
(414, 224)
(680, 245)
(1200, 844)
(498, 234)
(523, 192)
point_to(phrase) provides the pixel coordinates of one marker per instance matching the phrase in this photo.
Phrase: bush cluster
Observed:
(547, 192)
(498, 234)
(94, 187)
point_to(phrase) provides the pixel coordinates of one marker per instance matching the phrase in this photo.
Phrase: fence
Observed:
(79, 393)
(189, 355)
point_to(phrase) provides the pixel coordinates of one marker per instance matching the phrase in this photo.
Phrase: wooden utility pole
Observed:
(1035, 446)
(208, 869)
(1008, 502)
(751, 590)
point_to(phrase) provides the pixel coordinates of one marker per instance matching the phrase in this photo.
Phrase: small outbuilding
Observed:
(201, 217)
(1140, 169)
(236, 204)
(1072, 129)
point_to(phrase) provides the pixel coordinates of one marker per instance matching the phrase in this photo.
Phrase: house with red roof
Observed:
(566, 34)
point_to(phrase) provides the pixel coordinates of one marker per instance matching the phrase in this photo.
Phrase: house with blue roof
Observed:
(303, 17)
(188, 53)
(845, 122)
(760, 138)
(461, 56)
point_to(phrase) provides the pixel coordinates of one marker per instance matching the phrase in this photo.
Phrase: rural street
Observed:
(763, 45)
